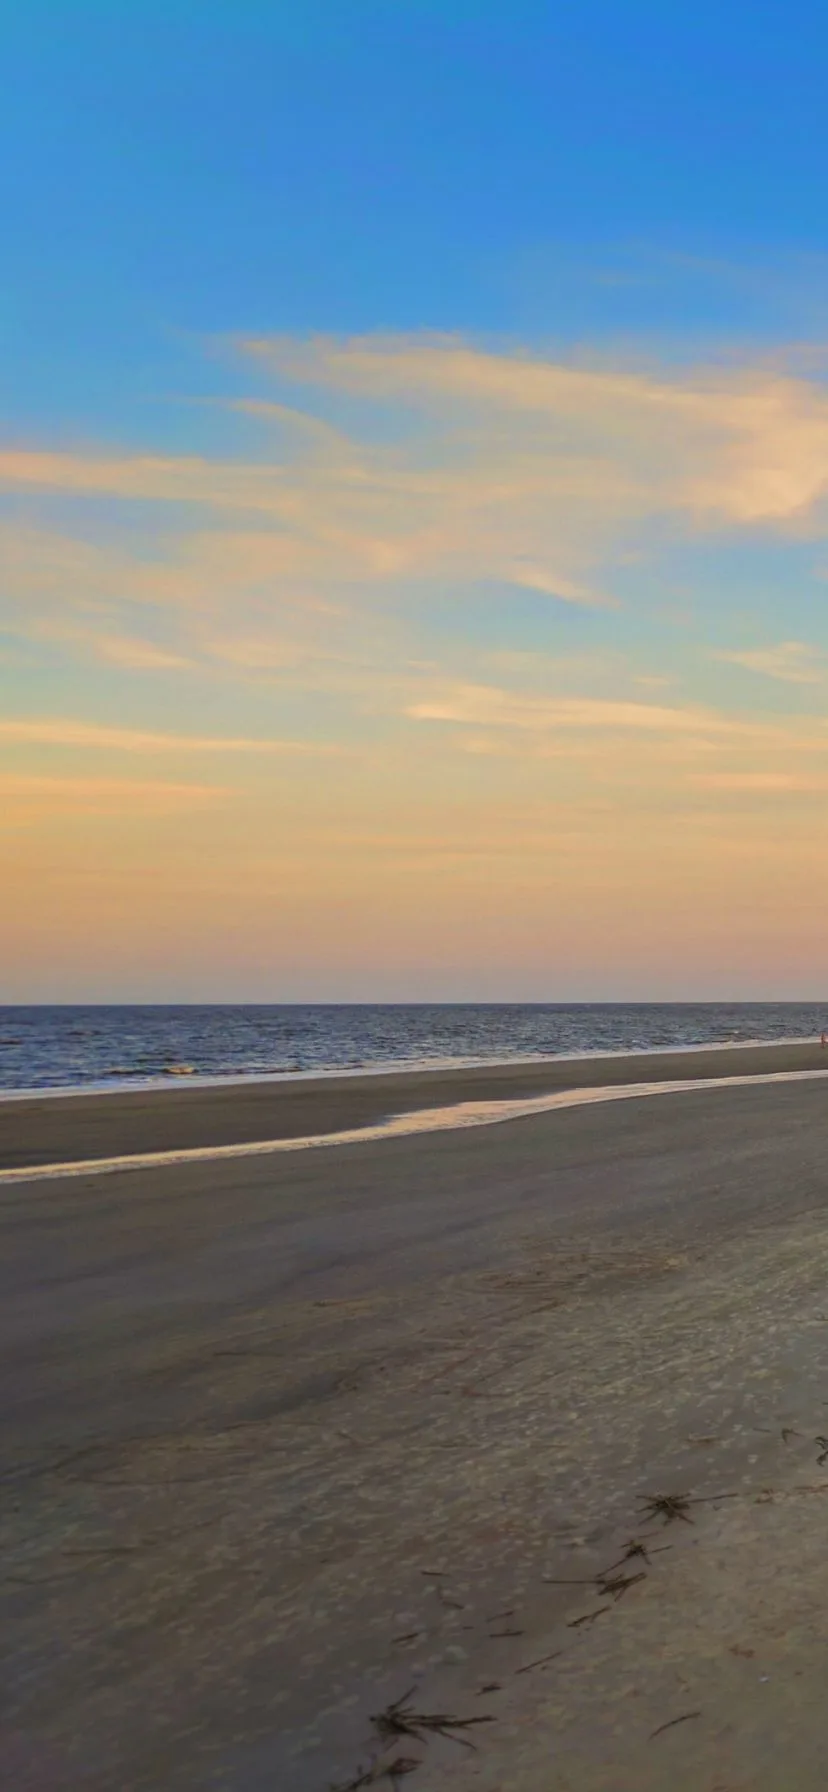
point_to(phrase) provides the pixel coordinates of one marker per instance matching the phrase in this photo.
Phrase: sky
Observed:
(413, 501)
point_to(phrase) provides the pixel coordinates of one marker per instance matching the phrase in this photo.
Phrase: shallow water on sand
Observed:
(454, 1117)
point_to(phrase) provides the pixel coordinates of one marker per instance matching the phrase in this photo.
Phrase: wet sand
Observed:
(70, 1128)
(285, 1437)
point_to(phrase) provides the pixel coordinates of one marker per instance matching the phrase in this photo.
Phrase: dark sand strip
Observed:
(66, 1129)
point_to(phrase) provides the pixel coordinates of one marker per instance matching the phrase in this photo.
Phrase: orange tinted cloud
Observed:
(26, 796)
(364, 586)
(60, 732)
(750, 443)
(488, 706)
(791, 661)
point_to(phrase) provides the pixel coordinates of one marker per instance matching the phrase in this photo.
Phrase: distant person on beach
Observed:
(824, 1038)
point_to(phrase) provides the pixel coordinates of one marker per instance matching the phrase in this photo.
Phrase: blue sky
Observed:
(178, 169)
(426, 399)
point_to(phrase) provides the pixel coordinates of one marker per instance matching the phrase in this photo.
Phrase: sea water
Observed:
(94, 1047)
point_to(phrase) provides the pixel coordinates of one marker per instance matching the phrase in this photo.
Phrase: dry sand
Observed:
(247, 1406)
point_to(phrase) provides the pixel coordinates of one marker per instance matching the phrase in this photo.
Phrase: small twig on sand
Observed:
(712, 1499)
(540, 1663)
(636, 1549)
(614, 1586)
(588, 1617)
(400, 1719)
(496, 1633)
(684, 1719)
(609, 1585)
(381, 1770)
(586, 1580)
(668, 1506)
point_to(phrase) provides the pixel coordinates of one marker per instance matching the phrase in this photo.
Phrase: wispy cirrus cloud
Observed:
(748, 443)
(216, 598)
(336, 526)
(501, 467)
(133, 653)
(426, 557)
(794, 662)
(490, 706)
(64, 732)
(139, 656)
(763, 783)
(462, 470)
(27, 797)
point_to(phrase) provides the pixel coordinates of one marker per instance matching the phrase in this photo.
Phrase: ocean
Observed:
(105, 1047)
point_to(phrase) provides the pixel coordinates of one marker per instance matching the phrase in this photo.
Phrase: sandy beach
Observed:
(284, 1438)
(74, 1127)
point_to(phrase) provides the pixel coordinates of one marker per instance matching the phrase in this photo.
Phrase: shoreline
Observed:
(49, 1129)
(461, 1117)
(157, 1083)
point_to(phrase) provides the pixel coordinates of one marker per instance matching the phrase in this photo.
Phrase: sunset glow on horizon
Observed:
(408, 594)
